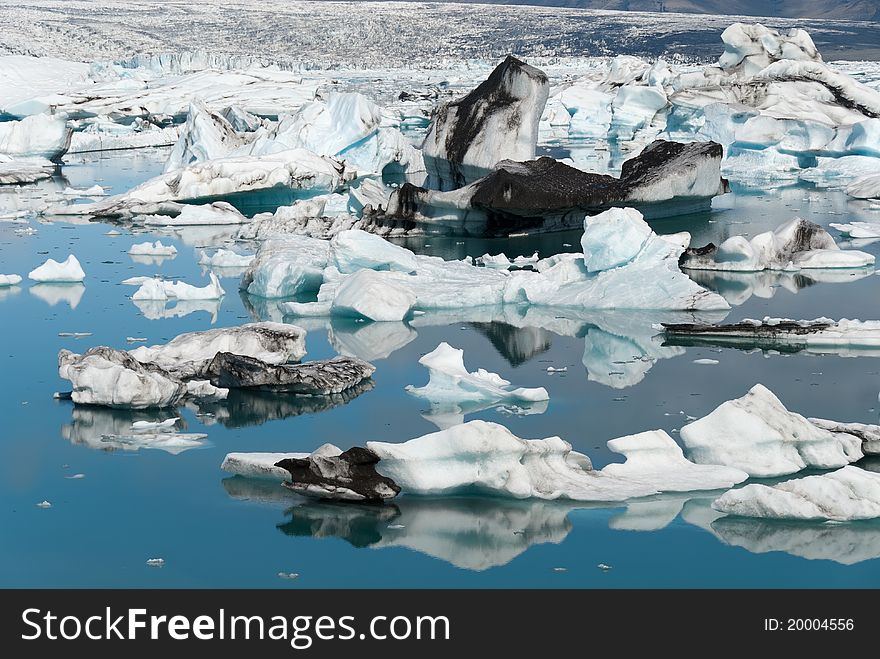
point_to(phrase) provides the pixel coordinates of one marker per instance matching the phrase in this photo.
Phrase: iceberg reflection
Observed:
(53, 294)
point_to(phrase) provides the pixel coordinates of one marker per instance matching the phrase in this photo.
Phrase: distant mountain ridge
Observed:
(855, 10)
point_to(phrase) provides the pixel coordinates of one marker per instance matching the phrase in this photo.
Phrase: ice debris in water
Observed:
(156, 562)
(158, 289)
(44, 504)
(152, 249)
(94, 191)
(9, 280)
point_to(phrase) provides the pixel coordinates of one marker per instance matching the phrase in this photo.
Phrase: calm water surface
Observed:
(217, 530)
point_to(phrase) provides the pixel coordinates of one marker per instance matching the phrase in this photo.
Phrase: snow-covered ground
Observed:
(326, 34)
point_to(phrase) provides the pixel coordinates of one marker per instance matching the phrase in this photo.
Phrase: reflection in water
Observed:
(108, 429)
(447, 414)
(253, 408)
(478, 533)
(159, 309)
(9, 291)
(470, 533)
(53, 294)
(151, 259)
(620, 347)
(737, 287)
(516, 344)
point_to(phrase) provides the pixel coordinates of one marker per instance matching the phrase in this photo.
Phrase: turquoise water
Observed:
(217, 530)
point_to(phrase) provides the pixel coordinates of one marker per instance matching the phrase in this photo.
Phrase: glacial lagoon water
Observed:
(214, 530)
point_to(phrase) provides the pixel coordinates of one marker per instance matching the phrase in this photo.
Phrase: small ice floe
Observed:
(156, 562)
(136, 281)
(551, 370)
(26, 231)
(604, 567)
(449, 380)
(706, 362)
(158, 289)
(288, 575)
(9, 280)
(113, 232)
(152, 249)
(396, 526)
(44, 504)
(75, 477)
(502, 262)
(52, 271)
(135, 339)
(153, 425)
(75, 335)
(94, 191)
(560, 569)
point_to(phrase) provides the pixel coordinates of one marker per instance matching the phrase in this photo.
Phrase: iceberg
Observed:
(158, 289)
(165, 375)
(496, 121)
(9, 280)
(654, 458)
(218, 213)
(796, 245)
(38, 136)
(449, 381)
(666, 178)
(152, 249)
(844, 495)
(226, 258)
(94, 191)
(649, 280)
(865, 188)
(69, 271)
(758, 435)
(316, 378)
(821, 335)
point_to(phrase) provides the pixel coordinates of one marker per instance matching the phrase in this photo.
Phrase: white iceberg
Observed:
(68, 271)
(366, 294)
(758, 435)
(38, 136)
(259, 465)
(158, 289)
(152, 249)
(226, 258)
(654, 458)
(650, 279)
(865, 188)
(451, 382)
(847, 494)
(796, 245)
(218, 213)
(9, 280)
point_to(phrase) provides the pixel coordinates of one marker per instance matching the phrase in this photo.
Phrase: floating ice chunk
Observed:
(38, 136)
(749, 48)
(496, 121)
(373, 295)
(552, 369)
(797, 244)
(329, 473)
(153, 249)
(316, 378)
(69, 271)
(820, 335)
(44, 504)
(757, 434)
(218, 213)
(153, 425)
(501, 261)
(157, 289)
(654, 458)
(9, 280)
(868, 433)
(156, 562)
(260, 465)
(613, 238)
(858, 230)
(358, 250)
(94, 191)
(865, 188)
(226, 258)
(450, 381)
(706, 362)
(847, 494)
(287, 267)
